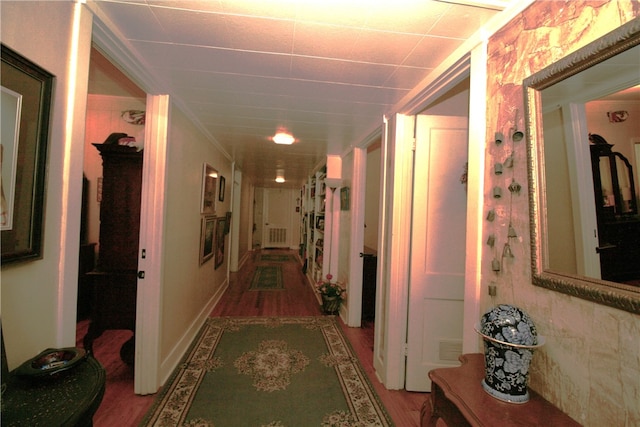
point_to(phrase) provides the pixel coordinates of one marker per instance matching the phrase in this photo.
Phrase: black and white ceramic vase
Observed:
(510, 338)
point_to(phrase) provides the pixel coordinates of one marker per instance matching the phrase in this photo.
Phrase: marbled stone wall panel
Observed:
(590, 365)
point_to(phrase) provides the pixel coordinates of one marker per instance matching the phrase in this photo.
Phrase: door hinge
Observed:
(405, 349)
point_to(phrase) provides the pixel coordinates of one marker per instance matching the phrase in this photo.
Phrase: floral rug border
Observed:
(173, 403)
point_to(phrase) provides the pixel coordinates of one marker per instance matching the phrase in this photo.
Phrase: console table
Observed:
(457, 397)
(69, 398)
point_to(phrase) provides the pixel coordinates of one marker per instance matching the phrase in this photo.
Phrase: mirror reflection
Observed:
(584, 150)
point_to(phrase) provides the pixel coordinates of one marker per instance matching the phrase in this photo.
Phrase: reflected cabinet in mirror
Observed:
(583, 150)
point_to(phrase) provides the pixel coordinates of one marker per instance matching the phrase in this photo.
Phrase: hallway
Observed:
(122, 407)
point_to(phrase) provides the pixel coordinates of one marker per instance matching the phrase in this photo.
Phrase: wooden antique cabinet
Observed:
(616, 212)
(114, 281)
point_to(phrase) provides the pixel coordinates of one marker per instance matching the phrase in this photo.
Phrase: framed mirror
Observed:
(568, 240)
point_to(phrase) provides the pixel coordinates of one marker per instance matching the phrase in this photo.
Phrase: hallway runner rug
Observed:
(269, 372)
(267, 278)
(276, 258)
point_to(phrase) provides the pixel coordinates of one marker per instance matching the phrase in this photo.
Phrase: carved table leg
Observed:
(428, 417)
(94, 332)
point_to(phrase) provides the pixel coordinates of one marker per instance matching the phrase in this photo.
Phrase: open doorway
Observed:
(107, 318)
(369, 251)
(403, 298)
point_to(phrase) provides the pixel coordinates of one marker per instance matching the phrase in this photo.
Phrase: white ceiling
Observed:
(325, 70)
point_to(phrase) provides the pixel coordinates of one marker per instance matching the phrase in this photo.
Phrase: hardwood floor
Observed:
(121, 407)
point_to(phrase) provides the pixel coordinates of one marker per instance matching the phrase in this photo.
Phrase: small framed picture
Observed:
(344, 199)
(221, 191)
(209, 178)
(207, 238)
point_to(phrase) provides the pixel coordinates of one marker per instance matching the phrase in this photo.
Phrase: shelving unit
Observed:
(312, 232)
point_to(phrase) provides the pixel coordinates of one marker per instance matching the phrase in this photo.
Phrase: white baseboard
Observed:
(178, 351)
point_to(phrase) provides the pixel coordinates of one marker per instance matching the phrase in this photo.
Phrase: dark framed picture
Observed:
(207, 238)
(344, 199)
(26, 104)
(221, 191)
(320, 222)
(209, 180)
(219, 244)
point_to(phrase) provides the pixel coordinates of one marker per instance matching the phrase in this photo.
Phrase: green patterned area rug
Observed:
(269, 372)
(276, 258)
(267, 278)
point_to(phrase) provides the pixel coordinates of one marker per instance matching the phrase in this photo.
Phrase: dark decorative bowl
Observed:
(51, 361)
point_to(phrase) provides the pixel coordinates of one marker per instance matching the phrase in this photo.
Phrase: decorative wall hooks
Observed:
(497, 192)
(506, 251)
(497, 168)
(491, 215)
(498, 138)
(508, 162)
(512, 232)
(514, 187)
(516, 135)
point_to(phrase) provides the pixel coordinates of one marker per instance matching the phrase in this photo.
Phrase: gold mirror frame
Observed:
(621, 296)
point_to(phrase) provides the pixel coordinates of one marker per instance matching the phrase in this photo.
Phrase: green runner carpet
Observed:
(269, 372)
(276, 258)
(267, 278)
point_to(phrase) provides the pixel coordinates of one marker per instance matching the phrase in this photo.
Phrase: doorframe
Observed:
(358, 190)
(148, 301)
(234, 248)
(393, 266)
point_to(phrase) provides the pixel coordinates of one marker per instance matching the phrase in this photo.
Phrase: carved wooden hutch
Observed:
(114, 281)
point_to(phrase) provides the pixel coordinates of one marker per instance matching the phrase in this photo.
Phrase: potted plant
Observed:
(332, 294)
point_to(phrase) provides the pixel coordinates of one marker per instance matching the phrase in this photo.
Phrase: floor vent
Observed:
(450, 350)
(277, 236)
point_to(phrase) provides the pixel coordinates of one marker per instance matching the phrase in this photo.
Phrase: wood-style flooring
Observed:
(121, 407)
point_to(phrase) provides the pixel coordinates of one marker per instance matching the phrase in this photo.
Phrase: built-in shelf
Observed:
(312, 225)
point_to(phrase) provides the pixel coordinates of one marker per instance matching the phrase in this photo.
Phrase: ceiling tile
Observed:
(261, 34)
(325, 69)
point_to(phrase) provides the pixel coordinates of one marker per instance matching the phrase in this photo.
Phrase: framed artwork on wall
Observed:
(344, 199)
(26, 104)
(219, 243)
(209, 180)
(207, 238)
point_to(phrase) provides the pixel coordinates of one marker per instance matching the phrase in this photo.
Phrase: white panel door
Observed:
(277, 218)
(436, 286)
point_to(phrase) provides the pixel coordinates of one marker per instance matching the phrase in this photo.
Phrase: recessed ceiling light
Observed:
(283, 138)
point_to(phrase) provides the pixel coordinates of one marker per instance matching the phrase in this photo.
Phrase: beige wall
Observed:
(187, 286)
(39, 297)
(590, 364)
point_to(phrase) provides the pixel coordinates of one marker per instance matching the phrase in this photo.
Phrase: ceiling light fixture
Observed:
(280, 176)
(283, 138)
